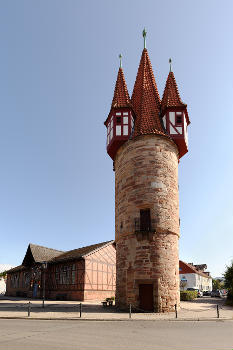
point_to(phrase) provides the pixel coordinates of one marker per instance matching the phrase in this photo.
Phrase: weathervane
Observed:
(144, 36)
(170, 61)
(120, 56)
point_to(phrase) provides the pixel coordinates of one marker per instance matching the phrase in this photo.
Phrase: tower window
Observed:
(145, 221)
(179, 119)
(118, 120)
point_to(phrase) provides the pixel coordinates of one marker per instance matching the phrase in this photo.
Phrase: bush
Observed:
(229, 283)
(188, 295)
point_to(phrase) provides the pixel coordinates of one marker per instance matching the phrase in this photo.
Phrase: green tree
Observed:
(3, 274)
(228, 275)
(217, 284)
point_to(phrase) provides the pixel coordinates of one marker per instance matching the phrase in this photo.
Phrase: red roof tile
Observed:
(187, 268)
(121, 96)
(145, 100)
(171, 96)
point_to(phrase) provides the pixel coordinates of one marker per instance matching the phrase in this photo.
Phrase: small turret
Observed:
(174, 114)
(120, 120)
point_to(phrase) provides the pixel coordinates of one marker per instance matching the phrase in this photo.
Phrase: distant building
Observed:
(86, 273)
(2, 286)
(3, 267)
(194, 276)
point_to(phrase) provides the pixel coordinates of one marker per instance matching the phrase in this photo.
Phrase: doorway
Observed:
(146, 299)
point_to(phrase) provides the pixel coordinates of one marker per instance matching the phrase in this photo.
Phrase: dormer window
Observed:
(118, 120)
(119, 128)
(179, 118)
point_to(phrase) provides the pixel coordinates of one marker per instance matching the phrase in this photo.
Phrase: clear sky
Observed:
(58, 66)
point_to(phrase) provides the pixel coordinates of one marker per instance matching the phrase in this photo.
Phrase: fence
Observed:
(97, 311)
(182, 312)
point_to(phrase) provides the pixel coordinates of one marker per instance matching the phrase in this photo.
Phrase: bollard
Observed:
(176, 310)
(29, 309)
(130, 311)
(80, 309)
(217, 311)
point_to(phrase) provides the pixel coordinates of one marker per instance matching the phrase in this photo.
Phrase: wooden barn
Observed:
(86, 273)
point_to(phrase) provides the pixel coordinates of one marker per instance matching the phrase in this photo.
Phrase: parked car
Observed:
(199, 292)
(206, 293)
(216, 294)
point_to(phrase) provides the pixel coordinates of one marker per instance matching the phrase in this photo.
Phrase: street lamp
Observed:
(44, 267)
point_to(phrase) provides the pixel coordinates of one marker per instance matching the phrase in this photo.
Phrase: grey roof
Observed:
(16, 269)
(80, 252)
(38, 254)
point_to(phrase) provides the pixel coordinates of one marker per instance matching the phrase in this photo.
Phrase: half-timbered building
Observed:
(86, 273)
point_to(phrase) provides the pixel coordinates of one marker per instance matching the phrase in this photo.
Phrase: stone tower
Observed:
(146, 138)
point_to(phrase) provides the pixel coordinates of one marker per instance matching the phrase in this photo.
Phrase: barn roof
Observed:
(16, 269)
(80, 252)
(38, 254)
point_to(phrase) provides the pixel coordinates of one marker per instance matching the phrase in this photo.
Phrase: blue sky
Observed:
(58, 66)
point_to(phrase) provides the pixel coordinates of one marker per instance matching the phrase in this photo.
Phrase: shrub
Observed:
(229, 283)
(188, 295)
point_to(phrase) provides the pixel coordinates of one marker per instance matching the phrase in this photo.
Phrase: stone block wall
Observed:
(146, 177)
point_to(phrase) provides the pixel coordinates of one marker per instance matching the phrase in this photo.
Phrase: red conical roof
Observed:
(121, 96)
(145, 100)
(171, 96)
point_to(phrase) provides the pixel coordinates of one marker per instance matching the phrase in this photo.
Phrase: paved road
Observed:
(67, 335)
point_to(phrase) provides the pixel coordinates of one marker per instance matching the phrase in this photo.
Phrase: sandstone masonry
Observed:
(146, 177)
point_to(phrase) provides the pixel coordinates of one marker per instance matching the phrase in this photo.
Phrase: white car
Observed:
(199, 292)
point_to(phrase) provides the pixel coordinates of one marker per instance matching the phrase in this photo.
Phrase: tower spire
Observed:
(171, 96)
(145, 100)
(170, 63)
(120, 57)
(144, 37)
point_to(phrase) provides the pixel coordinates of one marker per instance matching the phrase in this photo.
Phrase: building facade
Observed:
(194, 276)
(146, 138)
(86, 273)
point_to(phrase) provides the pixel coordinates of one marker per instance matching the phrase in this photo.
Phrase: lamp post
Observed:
(44, 267)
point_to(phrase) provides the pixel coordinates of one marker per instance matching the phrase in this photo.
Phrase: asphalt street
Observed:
(180, 335)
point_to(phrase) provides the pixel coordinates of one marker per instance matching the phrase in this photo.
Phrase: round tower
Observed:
(147, 224)
(146, 195)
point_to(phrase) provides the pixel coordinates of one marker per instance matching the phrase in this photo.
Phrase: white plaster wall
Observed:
(185, 131)
(165, 122)
(191, 280)
(172, 117)
(196, 281)
(2, 286)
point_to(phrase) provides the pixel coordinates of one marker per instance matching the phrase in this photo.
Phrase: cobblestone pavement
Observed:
(199, 309)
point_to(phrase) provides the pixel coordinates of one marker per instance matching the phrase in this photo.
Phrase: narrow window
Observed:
(178, 119)
(125, 130)
(118, 120)
(118, 130)
(73, 274)
(145, 222)
(125, 120)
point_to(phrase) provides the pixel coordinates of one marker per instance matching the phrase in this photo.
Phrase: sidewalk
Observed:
(199, 309)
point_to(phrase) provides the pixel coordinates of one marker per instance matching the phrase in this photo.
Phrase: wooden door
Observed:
(146, 297)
